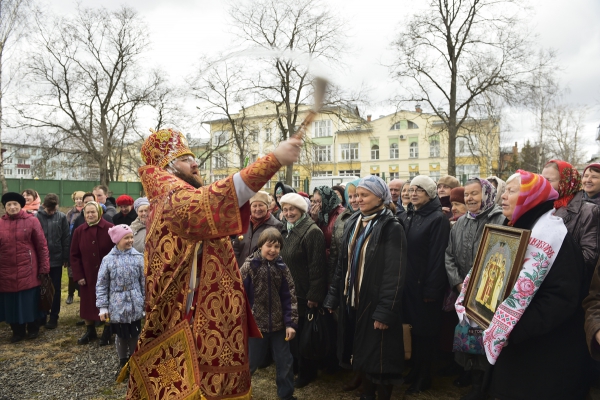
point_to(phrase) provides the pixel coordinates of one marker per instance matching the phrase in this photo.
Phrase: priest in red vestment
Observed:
(194, 344)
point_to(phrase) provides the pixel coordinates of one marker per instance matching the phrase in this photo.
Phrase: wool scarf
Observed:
(291, 225)
(258, 222)
(356, 255)
(545, 242)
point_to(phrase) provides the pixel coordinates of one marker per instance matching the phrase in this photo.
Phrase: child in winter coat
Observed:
(270, 288)
(120, 291)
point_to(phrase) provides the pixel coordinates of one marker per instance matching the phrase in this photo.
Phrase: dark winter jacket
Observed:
(380, 299)
(120, 218)
(303, 252)
(270, 289)
(23, 252)
(427, 230)
(58, 236)
(72, 215)
(464, 240)
(336, 243)
(550, 332)
(110, 209)
(243, 248)
(582, 219)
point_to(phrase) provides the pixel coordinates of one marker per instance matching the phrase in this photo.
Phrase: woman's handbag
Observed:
(407, 341)
(468, 340)
(46, 293)
(314, 339)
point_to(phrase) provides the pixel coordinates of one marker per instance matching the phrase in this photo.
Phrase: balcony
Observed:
(23, 166)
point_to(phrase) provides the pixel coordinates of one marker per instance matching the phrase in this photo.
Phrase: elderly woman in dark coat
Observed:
(540, 324)
(260, 219)
(326, 208)
(90, 244)
(367, 288)
(304, 254)
(281, 189)
(427, 230)
(23, 258)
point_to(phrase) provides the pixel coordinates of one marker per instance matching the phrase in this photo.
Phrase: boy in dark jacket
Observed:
(270, 289)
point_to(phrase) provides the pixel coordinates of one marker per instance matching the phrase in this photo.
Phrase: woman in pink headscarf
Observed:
(540, 323)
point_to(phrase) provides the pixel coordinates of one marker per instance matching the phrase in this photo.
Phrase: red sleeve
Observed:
(41, 247)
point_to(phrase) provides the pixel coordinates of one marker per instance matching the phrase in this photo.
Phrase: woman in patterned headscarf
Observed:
(466, 233)
(369, 280)
(325, 211)
(90, 244)
(581, 217)
(538, 324)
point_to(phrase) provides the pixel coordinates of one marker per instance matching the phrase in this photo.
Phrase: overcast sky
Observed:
(183, 30)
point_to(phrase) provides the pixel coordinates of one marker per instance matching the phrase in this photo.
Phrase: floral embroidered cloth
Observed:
(544, 244)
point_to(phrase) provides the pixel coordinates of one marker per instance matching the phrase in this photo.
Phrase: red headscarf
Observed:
(569, 184)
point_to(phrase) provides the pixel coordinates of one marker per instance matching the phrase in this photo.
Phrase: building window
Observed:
(350, 172)
(413, 150)
(412, 125)
(296, 181)
(322, 173)
(375, 152)
(412, 174)
(220, 161)
(435, 175)
(394, 153)
(219, 177)
(467, 171)
(220, 138)
(268, 185)
(434, 148)
(21, 161)
(394, 175)
(7, 171)
(8, 160)
(254, 136)
(323, 153)
(322, 128)
(396, 127)
(268, 135)
(22, 171)
(349, 151)
(464, 148)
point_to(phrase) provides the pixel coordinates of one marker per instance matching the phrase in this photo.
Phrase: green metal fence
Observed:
(64, 189)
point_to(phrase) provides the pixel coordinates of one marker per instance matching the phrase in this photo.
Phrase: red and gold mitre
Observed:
(164, 146)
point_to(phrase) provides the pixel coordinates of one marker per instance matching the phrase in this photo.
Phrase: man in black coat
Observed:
(427, 231)
(57, 233)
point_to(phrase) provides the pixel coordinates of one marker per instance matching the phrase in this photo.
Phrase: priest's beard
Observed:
(193, 180)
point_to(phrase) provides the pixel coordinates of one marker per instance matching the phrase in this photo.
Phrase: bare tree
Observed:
(13, 21)
(564, 124)
(287, 31)
(223, 91)
(88, 83)
(455, 51)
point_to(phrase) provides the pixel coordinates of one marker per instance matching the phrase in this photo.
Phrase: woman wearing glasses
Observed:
(427, 231)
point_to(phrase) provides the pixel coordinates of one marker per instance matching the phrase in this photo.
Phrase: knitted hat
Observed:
(450, 181)
(425, 183)
(595, 165)
(295, 200)
(457, 195)
(124, 200)
(142, 201)
(261, 196)
(12, 196)
(164, 146)
(117, 232)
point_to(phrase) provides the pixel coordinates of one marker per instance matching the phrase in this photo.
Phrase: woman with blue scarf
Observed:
(367, 288)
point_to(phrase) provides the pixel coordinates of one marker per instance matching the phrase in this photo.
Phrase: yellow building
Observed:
(340, 142)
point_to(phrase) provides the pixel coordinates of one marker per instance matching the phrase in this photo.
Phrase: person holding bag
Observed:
(367, 288)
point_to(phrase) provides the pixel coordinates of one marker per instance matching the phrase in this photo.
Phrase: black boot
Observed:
(18, 332)
(122, 362)
(33, 329)
(90, 334)
(106, 334)
(384, 392)
(463, 380)
(369, 390)
(52, 323)
(354, 383)
(422, 381)
(476, 392)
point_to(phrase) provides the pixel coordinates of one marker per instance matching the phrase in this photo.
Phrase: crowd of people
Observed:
(371, 257)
